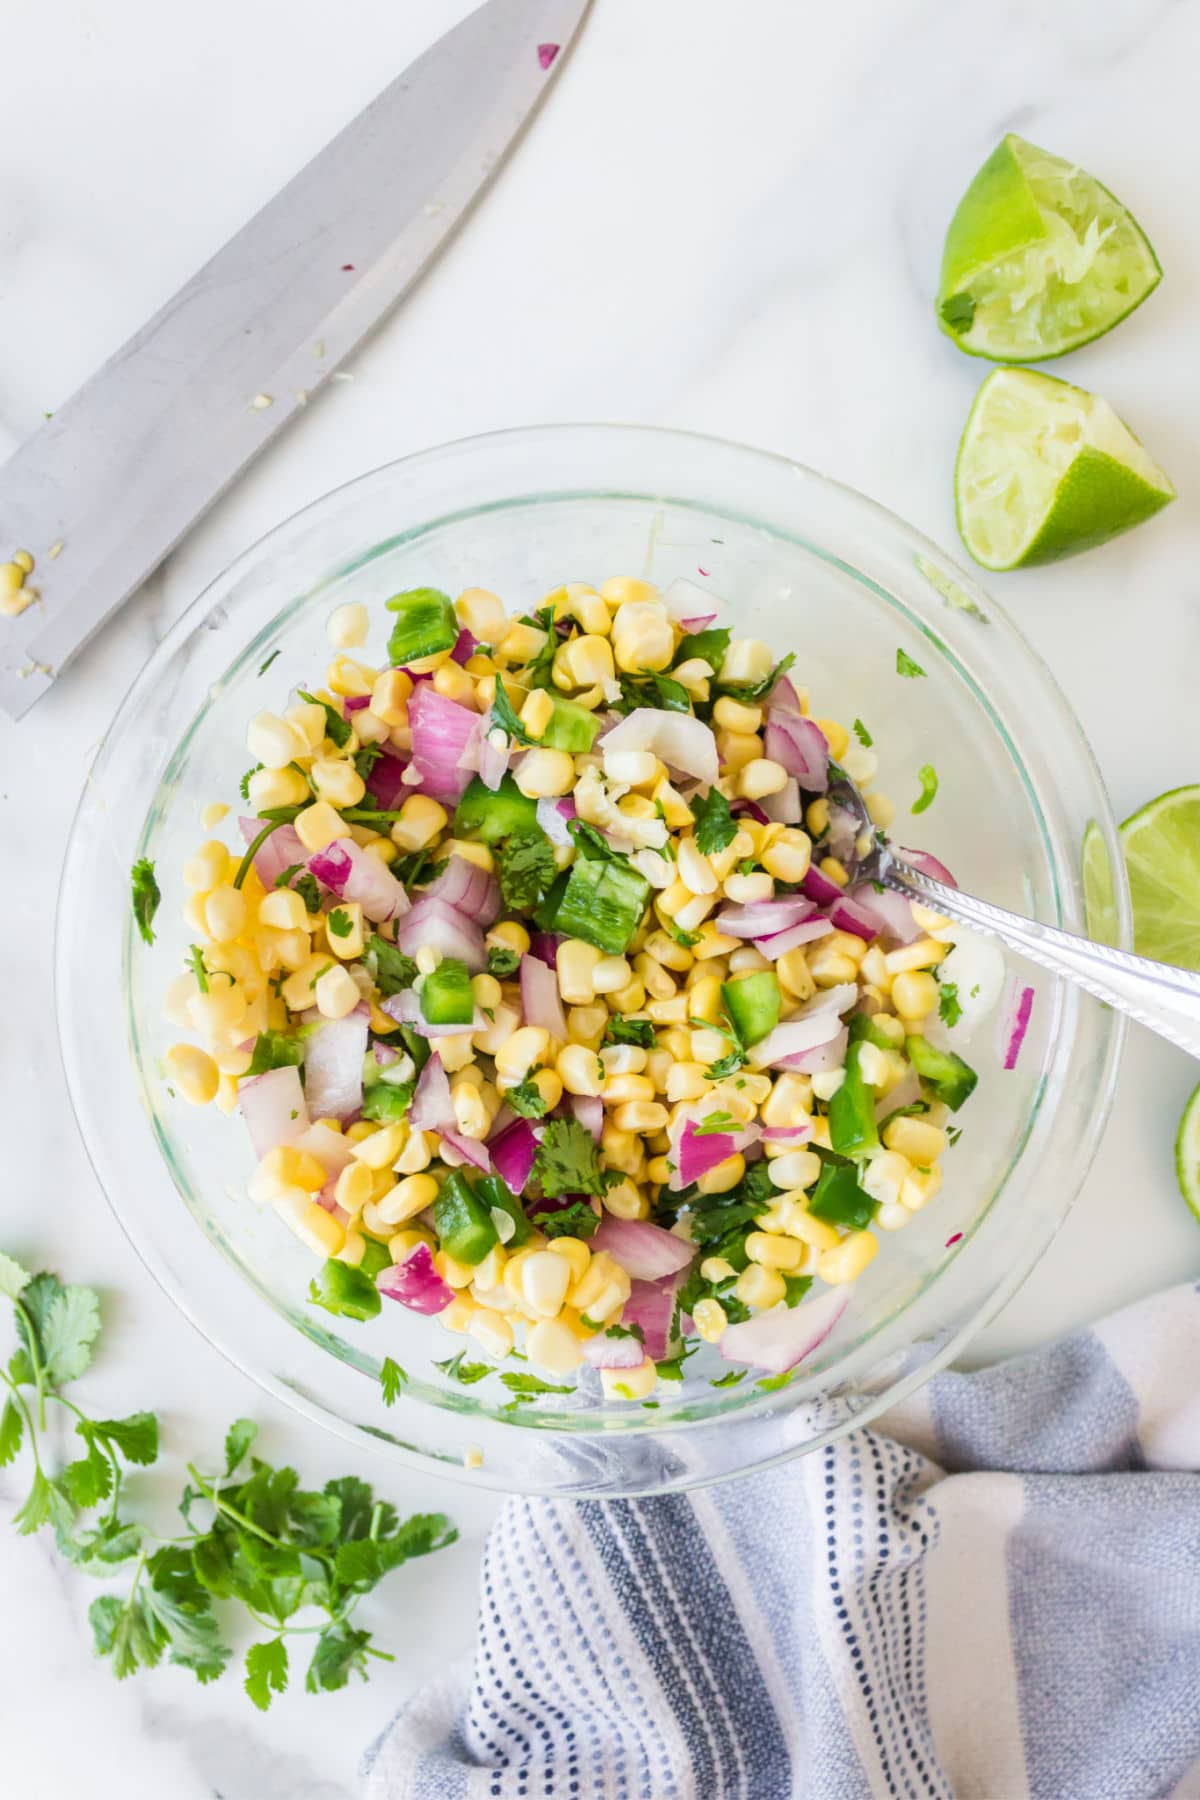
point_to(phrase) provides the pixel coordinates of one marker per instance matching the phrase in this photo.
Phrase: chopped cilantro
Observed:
(629, 1031)
(455, 1369)
(526, 1099)
(567, 1161)
(244, 783)
(862, 734)
(757, 690)
(390, 969)
(654, 690)
(338, 923)
(365, 760)
(263, 667)
(716, 827)
(906, 666)
(730, 1380)
(525, 865)
(577, 1220)
(391, 1379)
(504, 716)
(502, 961)
(298, 877)
(276, 1050)
(709, 645)
(337, 729)
(949, 1009)
(146, 897)
(927, 776)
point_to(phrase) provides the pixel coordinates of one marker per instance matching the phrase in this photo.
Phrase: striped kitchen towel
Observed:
(995, 1592)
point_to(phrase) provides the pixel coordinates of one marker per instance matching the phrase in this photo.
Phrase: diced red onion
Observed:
(614, 1353)
(843, 832)
(699, 622)
(906, 1092)
(787, 1134)
(539, 998)
(385, 1054)
(700, 1151)
(493, 761)
(553, 816)
(431, 1108)
(651, 1305)
(385, 781)
(785, 807)
(470, 1149)
(820, 889)
(784, 698)
(349, 873)
(415, 1282)
(544, 945)
(779, 1339)
(890, 912)
(465, 646)
(513, 1151)
(589, 1110)
(782, 941)
(327, 1198)
(333, 1060)
(355, 703)
(683, 742)
(274, 1108)
(800, 745)
(276, 853)
(1018, 1025)
(763, 918)
(644, 1251)
(332, 1149)
(443, 733)
(794, 1037)
(820, 1059)
(848, 915)
(471, 890)
(686, 601)
(444, 929)
(929, 865)
(749, 809)
(546, 54)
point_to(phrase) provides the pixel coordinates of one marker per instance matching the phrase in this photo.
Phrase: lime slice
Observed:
(1045, 469)
(1099, 893)
(1039, 259)
(1162, 859)
(1187, 1153)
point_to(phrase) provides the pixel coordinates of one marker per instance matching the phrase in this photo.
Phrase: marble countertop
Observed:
(714, 223)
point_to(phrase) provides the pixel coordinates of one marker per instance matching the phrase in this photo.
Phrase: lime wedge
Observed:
(1187, 1153)
(1099, 893)
(1162, 859)
(1039, 259)
(1045, 469)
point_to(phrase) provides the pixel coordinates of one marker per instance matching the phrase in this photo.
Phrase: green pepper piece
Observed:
(462, 1221)
(603, 903)
(951, 1079)
(496, 1193)
(838, 1198)
(572, 727)
(490, 816)
(753, 1004)
(852, 1127)
(425, 624)
(446, 997)
(347, 1293)
(386, 1102)
(375, 1256)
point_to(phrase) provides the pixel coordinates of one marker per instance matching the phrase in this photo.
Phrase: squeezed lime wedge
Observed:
(1187, 1153)
(1039, 259)
(1045, 470)
(1161, 844)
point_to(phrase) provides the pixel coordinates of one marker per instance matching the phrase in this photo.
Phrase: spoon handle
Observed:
(1163, 998)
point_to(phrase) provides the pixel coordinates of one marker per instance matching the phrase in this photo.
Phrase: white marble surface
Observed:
(727, 217)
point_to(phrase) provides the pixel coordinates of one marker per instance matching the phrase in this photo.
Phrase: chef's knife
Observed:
(129, 463)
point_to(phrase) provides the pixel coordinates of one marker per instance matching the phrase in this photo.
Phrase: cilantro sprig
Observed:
(716, 826)
(299, 1562)
(146, 896)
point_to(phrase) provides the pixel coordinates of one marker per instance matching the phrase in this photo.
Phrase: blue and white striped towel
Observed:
(995, 1593)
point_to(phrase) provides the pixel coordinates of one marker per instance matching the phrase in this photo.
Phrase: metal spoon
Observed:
(1163, 998)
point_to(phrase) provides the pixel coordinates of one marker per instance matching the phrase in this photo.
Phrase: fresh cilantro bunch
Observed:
(297, 1561)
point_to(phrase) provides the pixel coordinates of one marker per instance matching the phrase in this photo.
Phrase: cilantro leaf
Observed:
(468, 1373)
(13, 1278)
(338, 923)
(341, 1651)
(12, 1431)
(504, 716)
(927, 776)
(337, 729)
(502, 961)
(862, 734)
(365, 1561)
(907, 667)
(136, 1437)
(89, 1480)
(66, 1323)
(391, 1379)
(528, 1386)
(710, 645)
(771, 1384)
(729, 1380)
(266, 1671)
(526, 1099)
(567, 1161)
(365, 760)
(146, 896)
(757, 690)
(794, 1288)
(630, 1031)
(275, 1050)
(525, 866)
(654, 690)
(244, 783)
(390, 969)
(716, 827)
(949, 1009)
(298, 877)
(238, 1439)
(577, 1220)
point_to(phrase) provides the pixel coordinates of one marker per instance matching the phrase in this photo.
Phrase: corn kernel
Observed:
(579, 1070)
(544, 774)
(848, 1261)
(348, 679)
(722, 1177)
(491, 1331)
(774, 1251)
(574, 1252)
(344, 930)
(337, 781)
(788, 857)
(515, 1058)
(273, 741)
(760, 1287)
(193, 1072)
(914, 995)
(317, 1229)
(836, 736)
(629, 1384)
(627, 1201)
(318, 826)
(347, 625)
(918, 1188)
(926, 953)
(552, 1347)
(922, 1143)
(710, 1319)
(420, 821)
(336, 993)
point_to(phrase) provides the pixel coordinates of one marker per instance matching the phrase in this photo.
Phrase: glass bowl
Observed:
(796, 559)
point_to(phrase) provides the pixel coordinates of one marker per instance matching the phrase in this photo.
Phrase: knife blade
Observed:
(130, 462)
